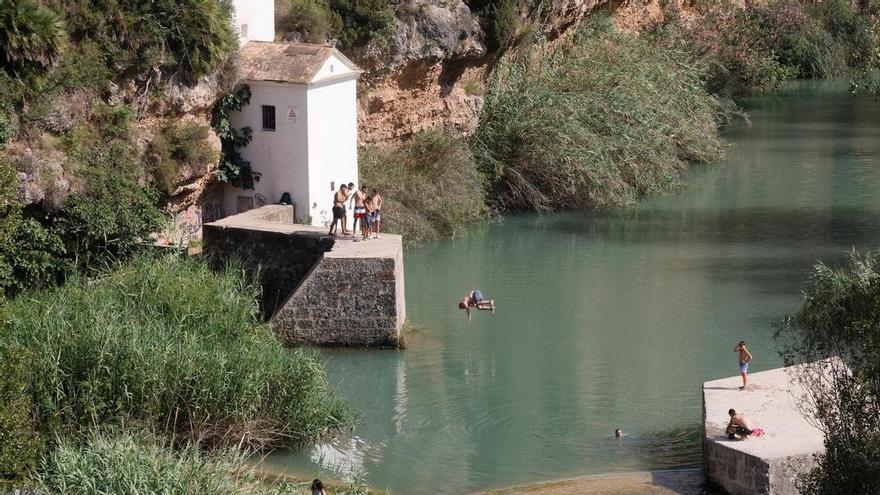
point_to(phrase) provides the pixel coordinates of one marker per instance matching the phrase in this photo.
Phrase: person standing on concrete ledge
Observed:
(360, 211)
(339, 198)
(474, 299)
(744, 358)
(377, 212)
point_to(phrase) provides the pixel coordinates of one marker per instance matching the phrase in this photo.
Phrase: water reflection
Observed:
(608, 319)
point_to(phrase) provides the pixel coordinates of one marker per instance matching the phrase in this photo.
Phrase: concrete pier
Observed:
(317, 289)
(768, 464)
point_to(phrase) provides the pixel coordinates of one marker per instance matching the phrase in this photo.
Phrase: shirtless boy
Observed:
(740, 426)
(377, 212)
(367, 220)
(744, 358)
(357, 201)
(339, 198)
(474, 299)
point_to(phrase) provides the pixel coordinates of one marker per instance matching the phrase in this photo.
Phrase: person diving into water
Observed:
(474, 299)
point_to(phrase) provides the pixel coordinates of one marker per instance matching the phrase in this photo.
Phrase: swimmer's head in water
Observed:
(618, 432)
(462, 305)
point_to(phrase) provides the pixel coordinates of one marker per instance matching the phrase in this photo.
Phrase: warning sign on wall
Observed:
(292, 113)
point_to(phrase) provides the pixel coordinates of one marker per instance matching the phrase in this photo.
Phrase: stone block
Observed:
(315, 290)
(763, 465)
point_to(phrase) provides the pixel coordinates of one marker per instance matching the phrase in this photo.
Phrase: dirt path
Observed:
(683, 482)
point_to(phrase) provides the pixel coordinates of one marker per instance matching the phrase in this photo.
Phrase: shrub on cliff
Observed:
(183, 38)
(603, 118)
(180, 146)
(32, 37)
(353, 23)
(167, 343)
(760, 46)
(112, 212)
(430, 186)
(840, 316)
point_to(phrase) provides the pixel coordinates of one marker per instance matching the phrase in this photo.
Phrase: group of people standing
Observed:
(367, 209)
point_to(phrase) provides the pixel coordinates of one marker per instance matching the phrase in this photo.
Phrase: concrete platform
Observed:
(768, 464)
(317, 288)
(277, 218)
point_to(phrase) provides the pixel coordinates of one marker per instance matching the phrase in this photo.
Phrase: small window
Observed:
(333, 185)
(244, 32)
(268, 117)
(331, 68)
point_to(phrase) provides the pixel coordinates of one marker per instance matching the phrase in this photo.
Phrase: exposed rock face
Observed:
(428, 31)
(433, 73)
(40, 175)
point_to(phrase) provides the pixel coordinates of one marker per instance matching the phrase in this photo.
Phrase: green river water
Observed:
(608, 319)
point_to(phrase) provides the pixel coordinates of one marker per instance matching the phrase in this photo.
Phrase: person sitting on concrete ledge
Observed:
(474, 299)
(741, 427)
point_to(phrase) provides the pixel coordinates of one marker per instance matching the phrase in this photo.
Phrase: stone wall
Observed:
(317, 289)
(282, 259)
(343, 301)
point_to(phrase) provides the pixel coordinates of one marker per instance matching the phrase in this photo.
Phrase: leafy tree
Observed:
(233, 168)
(840, 317)
(33, 258)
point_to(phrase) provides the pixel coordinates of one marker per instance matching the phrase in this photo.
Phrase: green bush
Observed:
(853, 26)
(136, 462)
(430, 186)
(760, 46)
(183, 38)
(167, 343)
(363, 21)
(840, 317)
(312, 20)
(499, 19)
(33, 258)
(109, 219)
(603, 118)
(180, 146)
(19, 441)
(353, 23)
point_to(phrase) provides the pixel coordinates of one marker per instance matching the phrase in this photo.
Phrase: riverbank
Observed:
(666, 482)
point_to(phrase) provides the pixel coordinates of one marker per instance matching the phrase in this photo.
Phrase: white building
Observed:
(303, 114)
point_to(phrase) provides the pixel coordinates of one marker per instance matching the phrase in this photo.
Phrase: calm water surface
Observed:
(608, 319)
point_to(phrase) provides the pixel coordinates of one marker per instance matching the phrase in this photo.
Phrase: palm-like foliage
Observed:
(32, 37)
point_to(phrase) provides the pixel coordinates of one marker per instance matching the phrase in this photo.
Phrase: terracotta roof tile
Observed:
(287, 62)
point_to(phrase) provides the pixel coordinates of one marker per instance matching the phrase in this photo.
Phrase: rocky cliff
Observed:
(434, 70)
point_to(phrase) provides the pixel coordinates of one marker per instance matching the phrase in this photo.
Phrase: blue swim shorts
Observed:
(477, 296)
(743, 367)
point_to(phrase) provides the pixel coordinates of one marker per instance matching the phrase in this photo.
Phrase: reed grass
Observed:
(603, 118)
(136, 462)
(167, 343)
(430, 186)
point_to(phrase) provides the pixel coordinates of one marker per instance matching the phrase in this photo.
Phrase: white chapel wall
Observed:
(332, 121)
(333, 66)
(258, 16)
(280, 155)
